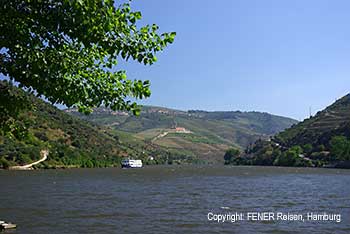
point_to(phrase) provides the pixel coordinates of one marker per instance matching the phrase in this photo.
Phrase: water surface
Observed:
(172, 199)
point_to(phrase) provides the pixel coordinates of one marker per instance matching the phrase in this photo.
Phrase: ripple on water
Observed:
(171, 199)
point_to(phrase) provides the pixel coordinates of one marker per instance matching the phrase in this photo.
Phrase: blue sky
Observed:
(274, 56)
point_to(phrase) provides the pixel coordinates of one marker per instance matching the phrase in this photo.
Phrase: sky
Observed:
(280, 57)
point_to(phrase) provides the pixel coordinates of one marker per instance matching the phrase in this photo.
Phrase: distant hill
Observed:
(319, 141)
(72, 142)
(203, 134)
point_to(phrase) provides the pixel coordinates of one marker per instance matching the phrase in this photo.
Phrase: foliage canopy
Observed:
(340, 148)
(230, 155)
(66, 50)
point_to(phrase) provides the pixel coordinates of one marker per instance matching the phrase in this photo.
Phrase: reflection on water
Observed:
(171, 199)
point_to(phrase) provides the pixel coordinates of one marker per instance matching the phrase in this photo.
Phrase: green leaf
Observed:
(138, 15)
(67, 54)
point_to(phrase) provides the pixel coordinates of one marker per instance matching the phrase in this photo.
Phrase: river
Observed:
(174, 199)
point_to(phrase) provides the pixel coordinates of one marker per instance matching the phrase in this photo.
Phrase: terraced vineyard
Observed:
(322, 140)
(335, 119)
(72, 142)
(202, 134)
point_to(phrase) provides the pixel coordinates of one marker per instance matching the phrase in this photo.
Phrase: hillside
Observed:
(334, 120)
(322, 140)
(203, 134)
(71, 142)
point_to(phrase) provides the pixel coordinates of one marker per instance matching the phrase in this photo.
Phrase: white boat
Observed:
(4, 225)
(131, 163)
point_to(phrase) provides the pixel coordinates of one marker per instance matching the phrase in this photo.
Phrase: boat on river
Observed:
(4, 225)
(131, 163)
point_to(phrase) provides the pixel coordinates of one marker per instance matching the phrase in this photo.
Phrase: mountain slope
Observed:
(204, 134)
(318, 141)
(334, 120)
(71, 142)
